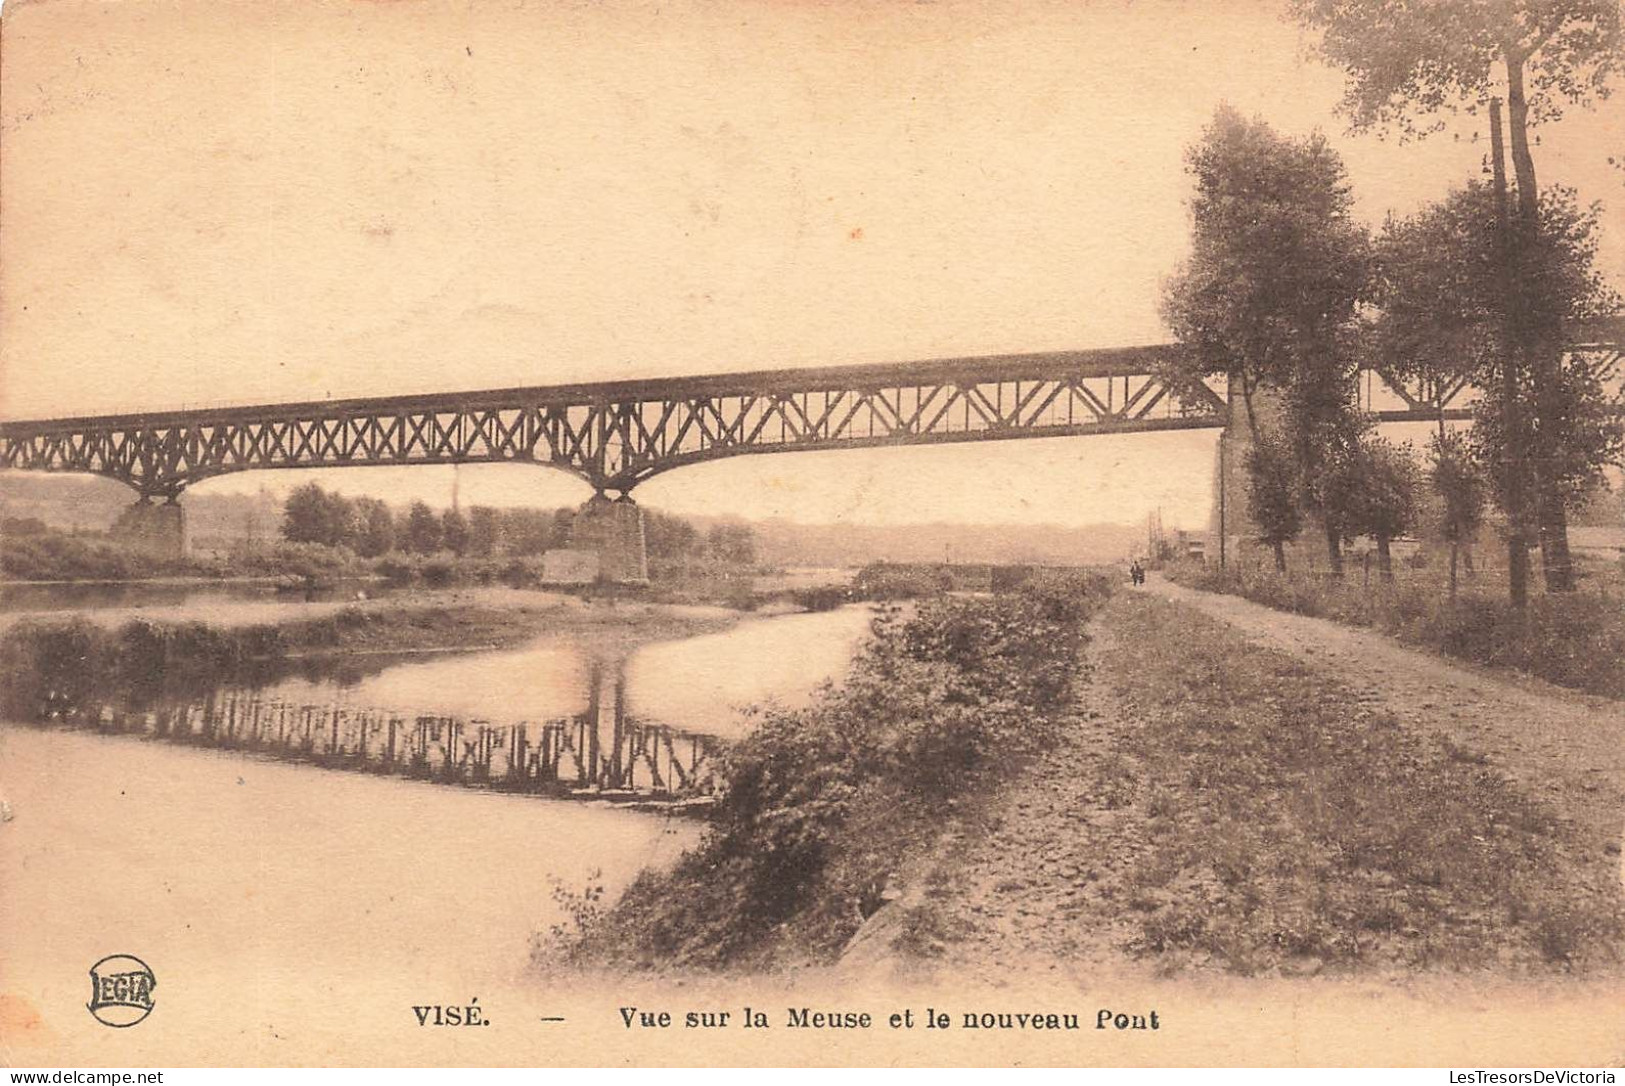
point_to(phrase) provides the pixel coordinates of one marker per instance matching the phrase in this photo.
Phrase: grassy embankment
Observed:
(823, 806)
(1573, 639)
(1282, 818)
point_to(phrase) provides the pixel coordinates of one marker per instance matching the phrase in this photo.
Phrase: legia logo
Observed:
(121, 990)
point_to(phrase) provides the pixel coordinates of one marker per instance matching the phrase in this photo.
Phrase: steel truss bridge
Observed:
(618, 434)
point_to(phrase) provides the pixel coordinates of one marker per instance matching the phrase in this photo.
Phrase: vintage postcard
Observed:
(964, 532)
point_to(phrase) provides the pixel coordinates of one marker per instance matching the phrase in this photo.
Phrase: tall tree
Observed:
(1444, 295)
(1272, 499)
(312, 515)
(422, 529)
(454, 532)
(1459, 483)
(1411, 59)
(484, 531)
(1442, 320)
(375, 528)
(1269, 294)
(1385, 504)
(1437, 285)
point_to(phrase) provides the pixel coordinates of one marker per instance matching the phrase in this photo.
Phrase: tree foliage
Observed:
(1459, 482)
(1385, 501)
(1443, 318)
(1269, 296)
(375, 528)
(1272, 501)
(1277, 261)
(454, 532)
(1437, 288)
(422, 529)
(732, 544)
(1410, 60)
(312, 515)
(484, 531)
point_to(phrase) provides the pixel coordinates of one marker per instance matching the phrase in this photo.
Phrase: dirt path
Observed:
(1027, 877)
(1062, 873)
(1564, 747)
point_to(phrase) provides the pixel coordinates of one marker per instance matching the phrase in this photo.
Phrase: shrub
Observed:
(882, 581)
(1573, 639)
(821, 597)
(53, 556)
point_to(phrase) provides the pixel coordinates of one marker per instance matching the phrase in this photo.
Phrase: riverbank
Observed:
(823, 810)
(124, 655)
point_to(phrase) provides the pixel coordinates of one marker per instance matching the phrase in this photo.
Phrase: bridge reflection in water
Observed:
(602, 753)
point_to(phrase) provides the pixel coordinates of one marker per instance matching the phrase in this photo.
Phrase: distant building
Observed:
(1188, 544)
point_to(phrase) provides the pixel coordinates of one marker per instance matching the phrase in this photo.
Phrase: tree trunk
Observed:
(1515, 455)
(1518, 571)
(1523, 163)
(1556, 563)
(1334, 550)
(1385, 560)
(1455, 552)
(1543, 355)
(1280, 556)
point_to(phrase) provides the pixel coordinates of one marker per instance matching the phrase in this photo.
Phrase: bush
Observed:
(822, 597)
(1572, 639)
(54, 556)
(883, 581)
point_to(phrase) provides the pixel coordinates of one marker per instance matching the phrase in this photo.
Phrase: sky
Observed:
(243, 202)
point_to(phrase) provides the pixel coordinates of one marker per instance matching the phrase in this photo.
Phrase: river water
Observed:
(697, 684)
(280, 897)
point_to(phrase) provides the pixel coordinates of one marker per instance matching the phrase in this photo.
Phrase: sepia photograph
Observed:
(799, 533)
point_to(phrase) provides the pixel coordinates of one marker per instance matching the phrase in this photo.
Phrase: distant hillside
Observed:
(90, 504)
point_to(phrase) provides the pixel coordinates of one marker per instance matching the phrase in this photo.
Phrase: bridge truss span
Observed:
(616, 435)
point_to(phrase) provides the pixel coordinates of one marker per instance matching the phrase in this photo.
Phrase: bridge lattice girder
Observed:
(618, 434)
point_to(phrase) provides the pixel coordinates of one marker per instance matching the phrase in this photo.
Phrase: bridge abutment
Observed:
(156, 529)
(613, 528)
(1231, 516)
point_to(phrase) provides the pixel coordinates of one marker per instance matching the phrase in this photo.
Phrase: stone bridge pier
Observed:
(154, 528)
(1229, 517)
(613, 528)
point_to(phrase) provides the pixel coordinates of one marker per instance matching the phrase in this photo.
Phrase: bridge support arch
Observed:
(154, 528)
(613, 529)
